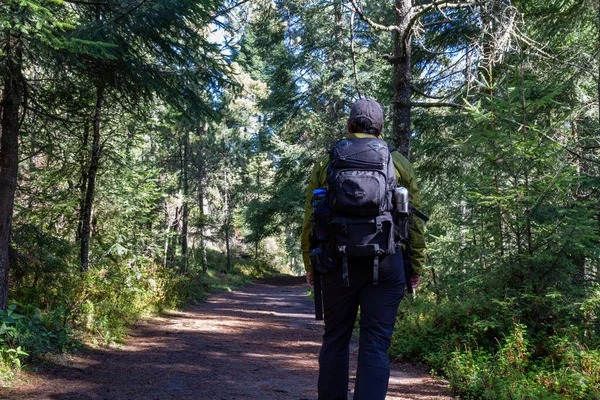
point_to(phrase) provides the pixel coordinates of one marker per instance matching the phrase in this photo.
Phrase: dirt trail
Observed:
(260, 342)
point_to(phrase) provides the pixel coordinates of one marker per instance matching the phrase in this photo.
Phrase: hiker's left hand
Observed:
(310, 278)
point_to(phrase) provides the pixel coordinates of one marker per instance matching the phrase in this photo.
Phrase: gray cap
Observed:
(370, 110)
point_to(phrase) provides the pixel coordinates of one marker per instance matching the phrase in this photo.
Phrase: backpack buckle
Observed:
(379, 225)
(378, 251)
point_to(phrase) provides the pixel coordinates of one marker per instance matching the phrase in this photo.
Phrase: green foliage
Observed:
(9, 355)
(477, 345)
(26, 331)
(512, 307)
(572, 372)
(100, 305)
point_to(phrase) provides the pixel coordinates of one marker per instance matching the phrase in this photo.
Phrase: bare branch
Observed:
(436, 104)
(430, 105)
(444, 73)
(443, 4)
(537, 49)
(353, 52)
(90, 3)
(374, 25)
(423, 9)
(390, 58)
(439, 78)
(420, 92)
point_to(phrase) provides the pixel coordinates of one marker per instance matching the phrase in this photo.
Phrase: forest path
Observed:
(260, 342)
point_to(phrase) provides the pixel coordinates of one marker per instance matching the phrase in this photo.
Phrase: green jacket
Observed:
(405, 176)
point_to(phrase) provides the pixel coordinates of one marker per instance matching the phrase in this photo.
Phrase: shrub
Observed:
(485, 352)
(101, 303)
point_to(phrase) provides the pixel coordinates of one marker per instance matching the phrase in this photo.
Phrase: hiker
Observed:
(350, 279)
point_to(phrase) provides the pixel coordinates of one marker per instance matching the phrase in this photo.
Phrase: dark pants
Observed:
(378, 308)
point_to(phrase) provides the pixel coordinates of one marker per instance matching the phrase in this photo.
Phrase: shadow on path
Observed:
(260, 342)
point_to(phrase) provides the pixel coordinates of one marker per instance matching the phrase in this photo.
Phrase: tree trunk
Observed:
(402, 78)
(83, 182)
(526, 172)
(185, 212)
(499, 218)
(168, 224)
(598, 98)
(201, 166)
(91, 183)
(9, 156)
(257, 242)
(201, 197)
(227, 222)
(338, 60)
(171, 236)
(227, 246)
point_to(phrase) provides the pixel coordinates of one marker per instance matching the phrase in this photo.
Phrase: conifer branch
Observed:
(567, 149)
(429, 105)
(422, 93)
(132, 9)
(228, 9)
(443, 22)
(423, 8)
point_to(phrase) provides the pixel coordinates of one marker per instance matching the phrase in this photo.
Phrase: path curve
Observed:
(260, 342)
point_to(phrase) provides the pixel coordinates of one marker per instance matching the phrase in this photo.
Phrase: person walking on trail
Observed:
(355, 254)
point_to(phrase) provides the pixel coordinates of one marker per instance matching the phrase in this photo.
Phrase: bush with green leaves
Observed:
(25, 331)
(486, 353)
(59, 305)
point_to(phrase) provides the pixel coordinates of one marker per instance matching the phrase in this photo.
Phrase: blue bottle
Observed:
(320, 205)
(319, 200)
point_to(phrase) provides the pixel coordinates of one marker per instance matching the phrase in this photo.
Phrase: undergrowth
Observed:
(486, 350)
(97, 306)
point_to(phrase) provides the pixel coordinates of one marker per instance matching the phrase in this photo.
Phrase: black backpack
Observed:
(361, 180)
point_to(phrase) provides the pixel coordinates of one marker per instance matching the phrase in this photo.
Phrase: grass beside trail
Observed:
(98, 306)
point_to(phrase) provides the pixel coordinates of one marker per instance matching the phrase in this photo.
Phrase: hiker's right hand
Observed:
(415, 280)
(310, 278)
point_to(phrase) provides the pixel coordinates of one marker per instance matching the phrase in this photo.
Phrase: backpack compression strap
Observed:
(414, 211)
(345, 270)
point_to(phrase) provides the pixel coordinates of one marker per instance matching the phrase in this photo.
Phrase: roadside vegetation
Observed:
(97, 308)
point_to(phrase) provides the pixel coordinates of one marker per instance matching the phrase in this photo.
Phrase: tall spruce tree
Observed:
(155, 48)
(28, 30)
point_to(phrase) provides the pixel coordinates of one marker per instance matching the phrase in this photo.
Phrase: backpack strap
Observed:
(418, 213)
(318, 290)
(375, 270)
(345, 270)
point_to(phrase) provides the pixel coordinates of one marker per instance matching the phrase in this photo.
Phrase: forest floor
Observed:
(260, 342)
